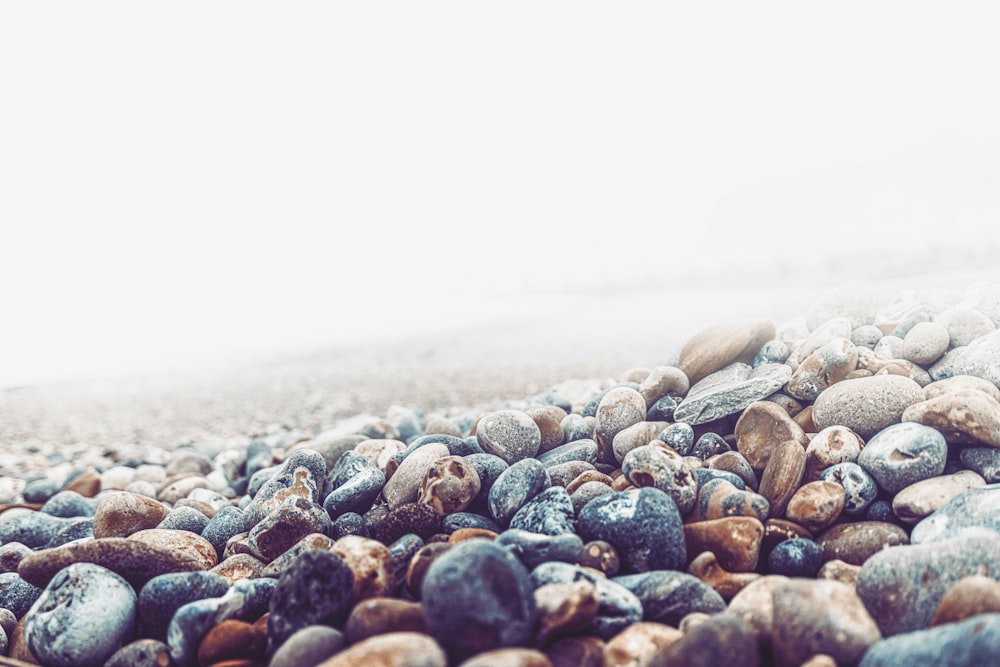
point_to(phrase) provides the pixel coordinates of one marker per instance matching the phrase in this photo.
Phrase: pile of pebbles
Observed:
(820, 493)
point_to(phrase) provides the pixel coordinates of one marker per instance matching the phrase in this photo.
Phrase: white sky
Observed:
(185, 182)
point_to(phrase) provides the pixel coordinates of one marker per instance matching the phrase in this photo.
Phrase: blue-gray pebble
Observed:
(548, 513)
(163, 595)
(668, 596)
(69, 504)
(902, 454)
(969, 643)
(533, 549)
(859, 487)
(515, 486)
(797, 557)
(16, 594)
(226, 523)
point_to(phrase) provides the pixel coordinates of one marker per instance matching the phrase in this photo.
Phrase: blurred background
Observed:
(189, 187)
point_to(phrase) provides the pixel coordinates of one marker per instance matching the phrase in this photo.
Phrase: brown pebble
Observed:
(548, 419)
(404, 485)
(199, 505)
(755, 605)
(737, 464)
(961, 416)
(508, 657)
(856, 542)
(371, 563)
(87, 483)
(816, 505)
(969, 597)
(820, 660)
(377, 616)
(417, 569)
(620, 408)
(636, 644)
(463, 534)
(734, 540)
(760, 427)
(565, 609)
(239, 566)
(720, 498)
(284, 561)
(720, 345)
(186, 544)
(838, 570)
(637, 435)
(920, 499)
(783, 475)
(120, 513)
(727, 584)
(722, 639)
(601, 556)
(449, 485)
(805, 421)
(577, 652)
(233, 640)
(395, 649)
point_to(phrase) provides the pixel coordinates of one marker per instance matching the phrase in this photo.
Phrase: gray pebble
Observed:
(533, 549)
(510, 434)
(644, 525)
(970, 510)
(69, 504)
(680, 436)
(867, 335)
(163, 595)
(185, 518)
(983, 460)
(548, 513)
(663, 469)
(967, 643)
(16, 594)
(902, 454)
(859, 487)
(730, 390)
(619, 607)
(578, 450)
(515, 486)
(668, 596)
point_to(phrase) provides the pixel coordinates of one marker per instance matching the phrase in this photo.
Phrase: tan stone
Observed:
(782, 475)
(381, 615)
(960, 416)
(508, 657)
(636, 644)
(120, 513)
(866, 405)
(734, 540)
(718, 346)
(816, 505)
(760, 428)
(395, 649)
(663, 381)
(727, 584)
(922, 498)
(959, 383)
(856, 542)
(548, 419)
(969, 597)
(832, 445)
(449, 485)
(186, 544)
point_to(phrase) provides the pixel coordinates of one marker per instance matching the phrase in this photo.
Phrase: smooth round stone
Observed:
(69, 504)
(548, 513)
(832, 445)
(589, 410)
(17, 595)
(965, 325)
(141, 652)
(33, 529)
(970, 642)
(722, 639)
(533, 549)
(643, 525)
(828, 365)
(820, 617)
(983, 460)
(85, 614)
(981, 358)
(962, 416)
(349, 523)
(903, 587)
(377, 616)
(735, 465)
(975, 508)
(903, 454)
(575, 427)
(412, 518)
(510, 434)
(720, 345)
(309, 646)
(816, 505)
(372, 565)
(476, 597)
(419, 562)
(797, 557)
(231, 641)
(515, 486)
(173, 489)
(404, 485)
(881, 510)
(600, 556)
(11, 555)
(395, 649)
(761, 425)
(855, 543)
(668, 596)
(729, 391)
(680, 436)
(617, 609)
(925, 343)
(378, 452)
(866, 405)
(960, 383)
(867, 335)
(587, 492)
(859, 487)
(191, 546)
(184, 518)
(355, 494)
(226, 523)
(315, 589)
(302, 475)
(120, 514)
(79, 529)
(620, 408)
(663, 381)
(663, 469)
(925, 497)
(40, 490)
(135, 560)
(636, 644)
(450, 485)
(782, 475)
(735, 540)
(719, 498)
(579, 450)
(548, 419)
(969, 597)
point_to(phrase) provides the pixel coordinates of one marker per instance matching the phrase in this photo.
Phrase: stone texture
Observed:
(761, 425)
(927, 496)
(730, 390)
(783, 475)
(720, 345)
(971, 642)
(663, 469)
(395, 649)
(866, 405)
(510, 434)
(902, 454)
(734, 540)
(856, 542)
(967, 416)
(722, 639)
(975, 508)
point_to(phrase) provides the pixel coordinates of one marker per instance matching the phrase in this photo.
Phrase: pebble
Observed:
(578, 450)
(964, 644)
(969, 597)
(618, 607)
(663, 469)
(902, 587)
(510, 434)
(68, 504)
(727, 584)
(663, 382)
(371, 563)
(162, 596)
(860, 489)
(719, 498)
(309, 646)
(565, 609)
(301, 475)
(515, 486)
(782, 475)
(962, 416)
(395, 649)
(722, 639)
(927, 496)
(972, 509)
(762, 424)
(730, 390)
(34, 529)
(404, 484)
(84, 615)
(925, 343)
(233, 640)
(476, 597)
(620, 408)
(551, 512)
(668, 596)
(17, 595)
(980, 358)
(856, 542)
(902, 454)
(679, 436)
(798, 557)
(735, 540)
(720, 345)
(381, 615)
(636, 644)
(866, 405)
(508, 657)
(832, 445)
(816, 505)
(643, 525)
(141, 652)
(354, 488)
(829, 364)
(637, 435)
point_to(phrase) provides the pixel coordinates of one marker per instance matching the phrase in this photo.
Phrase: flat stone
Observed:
(761, 425)
(285, 525)
(962, 416)
(927, 496)
(866, 405)
(721, 345)
(729, 391)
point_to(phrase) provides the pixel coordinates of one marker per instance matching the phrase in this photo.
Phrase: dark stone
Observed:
(141, 653)
(668, 596)
(16, 594)
(349, 523)
(81, 529)
(162, 596)
(618, 607)
(488, 467)
(315, 589)
(982, 460)
(860, 489)
(967, 643)
(304, 471)
(706, 475)
(415, 518)
(458, 520)
(663, 409)
(258, 456)
(515, 486)
(578, 450)
(548, 513)
(680, 436)
(358, 493)
(575, 427)
(33, 530)
(798, 557)
(710, 444)
(41, 490)
(881, 510)
(533, 548)
(226, 523)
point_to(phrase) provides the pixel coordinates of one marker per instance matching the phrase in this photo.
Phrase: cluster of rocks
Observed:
(820, 493)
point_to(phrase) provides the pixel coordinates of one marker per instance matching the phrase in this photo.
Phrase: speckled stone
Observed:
(226, 523)
(69, 504)
(618, 608)
(903, 587)
(510, 434)
(190, 546)
(404, 484)
(548, 513)
(866, 405)
(578, 450)
(33, 529)
(601, 556)
(816, 505)
(515, 486)
(980, 358)
(353, 485)
(548, 419)
(302, 475)
(663, 381)
(450, 484)
(668, 596)
(372, 565)
(975, 508)
(829, 364)
(927, 496)
(285, 525)
(184, 518)
(620, 408)
(859, 487)
(142, 652)
(970, 642)
(85, 614)
(734, 464)
(925, 343)
(162, 596)
(415, 518)
(565, 609)
(722, 639)
(663, 469)
(820, 617)
(476, 597)
(16, 594)
(636, 435)
(729, 391)
(679, 436)
(721, 345)
(983, 460)
(708, 445)
(316, 588)
(761, 425)
(856, 542)
(11, 555)
(395, 649)
(902, 454)
(643, 525)
(309, 646)
(489, 468)
(832, 445)
(735, 540)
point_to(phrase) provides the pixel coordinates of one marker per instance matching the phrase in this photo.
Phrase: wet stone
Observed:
(515, 486)
(729, 391)
(510, 434)
(643, 525)
(548, 513)
(476, 596)
(662, 469)
(668, 596)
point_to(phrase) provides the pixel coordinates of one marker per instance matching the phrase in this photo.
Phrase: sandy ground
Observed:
(531, 343)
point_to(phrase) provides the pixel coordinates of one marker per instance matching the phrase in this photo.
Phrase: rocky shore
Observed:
(818, 490)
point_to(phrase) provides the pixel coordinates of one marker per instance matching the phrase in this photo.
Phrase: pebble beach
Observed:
(701, 477)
